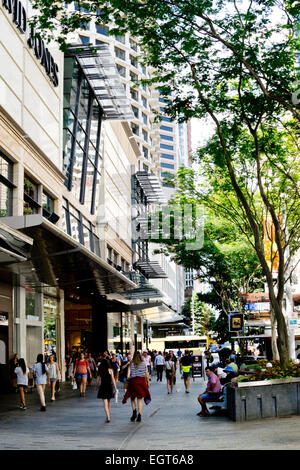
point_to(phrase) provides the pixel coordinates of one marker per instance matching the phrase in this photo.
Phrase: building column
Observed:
(60, 334)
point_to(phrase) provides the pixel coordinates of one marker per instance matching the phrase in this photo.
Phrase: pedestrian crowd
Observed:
(134, 371)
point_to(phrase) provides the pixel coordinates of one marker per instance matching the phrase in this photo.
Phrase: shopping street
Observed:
(169, 422)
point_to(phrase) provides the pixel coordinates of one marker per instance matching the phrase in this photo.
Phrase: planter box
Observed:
(263, 399)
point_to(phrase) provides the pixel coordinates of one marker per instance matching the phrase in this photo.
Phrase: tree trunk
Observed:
(275, 353)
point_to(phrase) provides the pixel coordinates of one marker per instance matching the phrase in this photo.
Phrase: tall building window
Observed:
(120, 53)
(166, 155)
(144, 101)
(135, 128)
(84, 39)
(144, 116)
(145, 135)
(145, 152)
(135, 111)
(121, 70)
(166, 147)
(79, 228)
(6, 186)
(120, 39)
(133, 61)
(167, 165)
(166, 137)
(133, 45)
(31, 196)
(166, 119)
(47, 204)
(166, 128)
(134, 94)
(101, 29)
(82, 127)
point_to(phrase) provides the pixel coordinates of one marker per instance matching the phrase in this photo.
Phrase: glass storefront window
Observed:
(50, 307)
(6, 186)
(5, 200)
(33, 304)
(82, 125)
(114, 331)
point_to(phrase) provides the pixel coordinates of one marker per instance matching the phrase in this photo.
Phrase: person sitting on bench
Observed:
(212, 392)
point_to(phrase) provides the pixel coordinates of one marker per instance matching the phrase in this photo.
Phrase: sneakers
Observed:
(187, 391)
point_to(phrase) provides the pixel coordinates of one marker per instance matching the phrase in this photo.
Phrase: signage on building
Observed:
(19, 17)
(236, 322)
(258, 307)
(250, 307)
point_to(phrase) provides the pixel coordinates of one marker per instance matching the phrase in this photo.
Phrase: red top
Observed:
(81, 366)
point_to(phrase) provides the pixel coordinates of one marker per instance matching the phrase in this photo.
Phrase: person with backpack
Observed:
(22, 373)
(41, 378)
(170, 373)
(81, 372)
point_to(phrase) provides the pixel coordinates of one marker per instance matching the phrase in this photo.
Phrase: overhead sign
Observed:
(41, 52)
(250, 307)
(236, 322)
(258, 306)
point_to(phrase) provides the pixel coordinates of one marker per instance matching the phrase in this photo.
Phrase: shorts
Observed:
(187, 374)
(210, 396)
(81, 376)
(53, 380)
(21, 385)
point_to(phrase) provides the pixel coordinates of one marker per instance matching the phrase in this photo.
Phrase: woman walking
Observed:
(115, 363)
(41, 377)
(53, 370)
(108, 386)
(138, 386)
(81, 372)
(93, 367)
(170, 373)
(22, 373)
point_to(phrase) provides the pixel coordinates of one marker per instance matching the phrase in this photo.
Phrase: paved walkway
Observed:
(170, 422)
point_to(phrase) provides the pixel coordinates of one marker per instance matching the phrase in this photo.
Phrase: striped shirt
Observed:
(139, 371)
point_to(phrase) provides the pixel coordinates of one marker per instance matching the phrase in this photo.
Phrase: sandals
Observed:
(203, 414)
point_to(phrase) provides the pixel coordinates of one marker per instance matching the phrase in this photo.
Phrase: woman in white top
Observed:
(53, 370)
(22, 373)
(41, 377)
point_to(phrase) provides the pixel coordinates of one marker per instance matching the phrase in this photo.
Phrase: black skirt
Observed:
(106, 389)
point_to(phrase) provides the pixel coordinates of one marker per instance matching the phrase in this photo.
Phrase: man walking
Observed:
(159, 363)
(185, 367)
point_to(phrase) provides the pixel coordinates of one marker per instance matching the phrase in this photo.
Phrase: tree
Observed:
(200, 315)
(236, 64)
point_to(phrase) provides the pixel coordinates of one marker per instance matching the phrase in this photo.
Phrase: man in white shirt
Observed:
(159, 363)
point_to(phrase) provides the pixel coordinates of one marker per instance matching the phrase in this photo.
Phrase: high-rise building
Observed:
(161, 148)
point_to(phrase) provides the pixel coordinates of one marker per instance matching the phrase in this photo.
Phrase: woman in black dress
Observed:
(108, 386)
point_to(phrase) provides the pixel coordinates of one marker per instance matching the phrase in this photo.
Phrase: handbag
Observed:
(74, 385)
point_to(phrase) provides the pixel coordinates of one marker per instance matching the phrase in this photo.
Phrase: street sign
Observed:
(236, 322)
(250, 307)
(197, 366)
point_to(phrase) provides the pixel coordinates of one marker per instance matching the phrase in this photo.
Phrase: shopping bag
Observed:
(74, 385)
